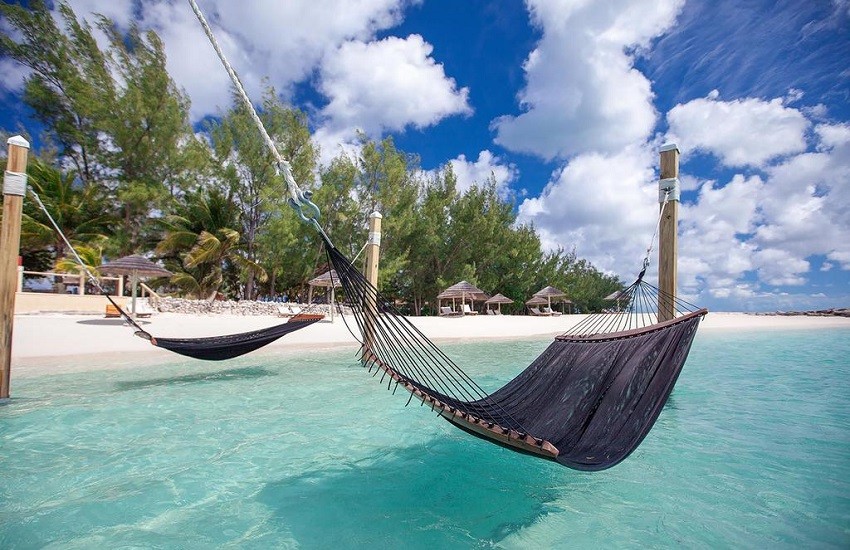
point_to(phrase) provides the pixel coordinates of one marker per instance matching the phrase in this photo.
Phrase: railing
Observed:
(66, 280)
(153, 297)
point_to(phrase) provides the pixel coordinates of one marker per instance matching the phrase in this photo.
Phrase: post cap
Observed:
(669, 147)
(19, 141)
(375, 215)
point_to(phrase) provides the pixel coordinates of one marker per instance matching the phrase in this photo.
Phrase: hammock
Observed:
(215, 348)
(586, 402)
(219, 348)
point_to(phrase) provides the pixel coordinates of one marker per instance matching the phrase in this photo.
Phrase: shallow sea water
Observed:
(307, 451)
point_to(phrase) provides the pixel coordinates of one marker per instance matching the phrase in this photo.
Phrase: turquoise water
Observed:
(306, 450)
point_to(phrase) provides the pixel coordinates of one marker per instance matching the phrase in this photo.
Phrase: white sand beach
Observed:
(57, 342)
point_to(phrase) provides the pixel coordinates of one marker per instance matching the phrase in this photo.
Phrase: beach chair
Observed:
(491, 312)
(468, 310)
(447, 311)
(497, 311)
(536, 312)
(550, 311)
(143, 309)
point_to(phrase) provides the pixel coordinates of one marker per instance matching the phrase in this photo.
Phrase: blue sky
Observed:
(566, 102)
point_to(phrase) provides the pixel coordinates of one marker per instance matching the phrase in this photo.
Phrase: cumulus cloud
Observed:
(284, 41)
(471, 173)
(605, 205)
(388, 85)
(743, 132)
(583, 93)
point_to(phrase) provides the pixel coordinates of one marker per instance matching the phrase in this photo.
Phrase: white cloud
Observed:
(743, 132)
(470, 173)
(388, 85)
(14, 75)
(710, 252)
(606, 206)
(583, 93)
(833, 135)
(284, 41)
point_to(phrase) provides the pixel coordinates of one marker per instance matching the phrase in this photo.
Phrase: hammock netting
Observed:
(219, 348)
(586, 402)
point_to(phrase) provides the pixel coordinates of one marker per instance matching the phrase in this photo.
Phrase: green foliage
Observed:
(115, 113)
(247, 169)
(200, 245)
(78, 208)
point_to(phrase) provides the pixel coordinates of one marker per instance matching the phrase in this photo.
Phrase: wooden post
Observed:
(373, 254)
(14, 187)
(668, 234)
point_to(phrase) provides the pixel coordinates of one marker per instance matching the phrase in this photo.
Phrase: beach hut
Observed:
(498, 299)
(462, 290)
(329, 281)
(551, 292)
(136, 267)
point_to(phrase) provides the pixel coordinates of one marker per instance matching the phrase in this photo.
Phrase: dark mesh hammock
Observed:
(586, 402)
(219, 348)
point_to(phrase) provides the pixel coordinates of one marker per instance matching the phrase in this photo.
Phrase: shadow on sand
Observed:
(109, 322)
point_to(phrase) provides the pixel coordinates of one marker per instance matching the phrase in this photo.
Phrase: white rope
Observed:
(283, 166)
(361, 251)
(657, 228)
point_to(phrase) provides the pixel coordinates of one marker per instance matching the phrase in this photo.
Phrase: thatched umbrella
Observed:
(461, 290)
(499, 299)
(535, 301)
(550, 292)
(135, 266)
(328, 279)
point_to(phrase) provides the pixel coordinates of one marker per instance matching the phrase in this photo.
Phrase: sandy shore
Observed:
(58, 341)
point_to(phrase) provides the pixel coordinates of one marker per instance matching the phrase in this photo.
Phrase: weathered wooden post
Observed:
(668, 234)
(14, 187)
(373, 254)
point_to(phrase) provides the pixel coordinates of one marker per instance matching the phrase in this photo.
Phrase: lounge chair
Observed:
(143, 309)
(536, 312)
(447, 311)
(468, 311)
(497, 311)
(288, 311)
(491, 312)
(549, 311)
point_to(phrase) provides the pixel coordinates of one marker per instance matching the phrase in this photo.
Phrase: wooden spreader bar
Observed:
(485, 428)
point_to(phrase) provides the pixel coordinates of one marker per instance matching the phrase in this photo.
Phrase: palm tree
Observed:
(78, 209)
(202, 245)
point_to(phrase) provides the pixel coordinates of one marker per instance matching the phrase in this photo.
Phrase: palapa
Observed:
(461, 290)
(499, 299)
(135, 266)
(329, 280)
